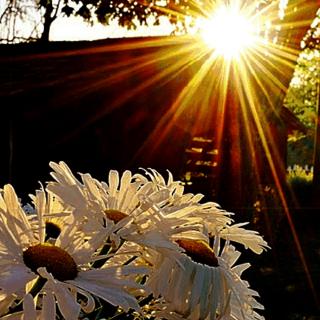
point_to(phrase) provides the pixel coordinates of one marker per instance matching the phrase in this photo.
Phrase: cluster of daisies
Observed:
(134, 247)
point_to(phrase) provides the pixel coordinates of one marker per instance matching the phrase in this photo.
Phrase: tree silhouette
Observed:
(128, 14)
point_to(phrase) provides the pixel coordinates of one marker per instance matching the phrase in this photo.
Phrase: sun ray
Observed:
(266, 138)
(263, 68)
(251, 102)
(184, 101)
(116, 73)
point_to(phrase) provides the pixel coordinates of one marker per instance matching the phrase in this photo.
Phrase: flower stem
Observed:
(105, 250)
(37, 286)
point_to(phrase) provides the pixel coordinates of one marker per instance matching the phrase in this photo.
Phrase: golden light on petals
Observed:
(56, 260)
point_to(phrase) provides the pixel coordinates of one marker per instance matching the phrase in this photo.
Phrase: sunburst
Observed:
(228, 31)
(248, 52)
(242, 73)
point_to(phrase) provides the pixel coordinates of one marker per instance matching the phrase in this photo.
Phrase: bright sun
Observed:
(228, 31)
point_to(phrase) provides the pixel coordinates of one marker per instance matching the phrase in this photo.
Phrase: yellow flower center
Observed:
(56, 260)
(52, 230)
(115, 215)
(199, 251)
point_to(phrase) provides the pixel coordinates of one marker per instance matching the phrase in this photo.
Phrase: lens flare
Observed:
(228, 31)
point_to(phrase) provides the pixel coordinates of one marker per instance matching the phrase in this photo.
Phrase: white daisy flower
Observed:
(177, 219)
(129, 203)
(114, 201)
(175, 214)
(147, 209)
(63, 268)
(214, 220)
(203, 284)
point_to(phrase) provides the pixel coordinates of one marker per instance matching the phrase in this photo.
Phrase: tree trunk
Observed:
(48, 19)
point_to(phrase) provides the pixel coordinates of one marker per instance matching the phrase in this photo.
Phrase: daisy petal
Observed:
(49, 307)
(29, 308)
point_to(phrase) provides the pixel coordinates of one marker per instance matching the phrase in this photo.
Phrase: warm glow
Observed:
(229, 32)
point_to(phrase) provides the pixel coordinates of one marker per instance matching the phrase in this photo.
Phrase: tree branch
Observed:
(56, 10)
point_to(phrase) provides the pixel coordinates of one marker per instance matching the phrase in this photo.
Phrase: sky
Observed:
(73, 28)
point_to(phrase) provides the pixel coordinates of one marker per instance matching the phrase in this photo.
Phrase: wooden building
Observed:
(123, 104)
